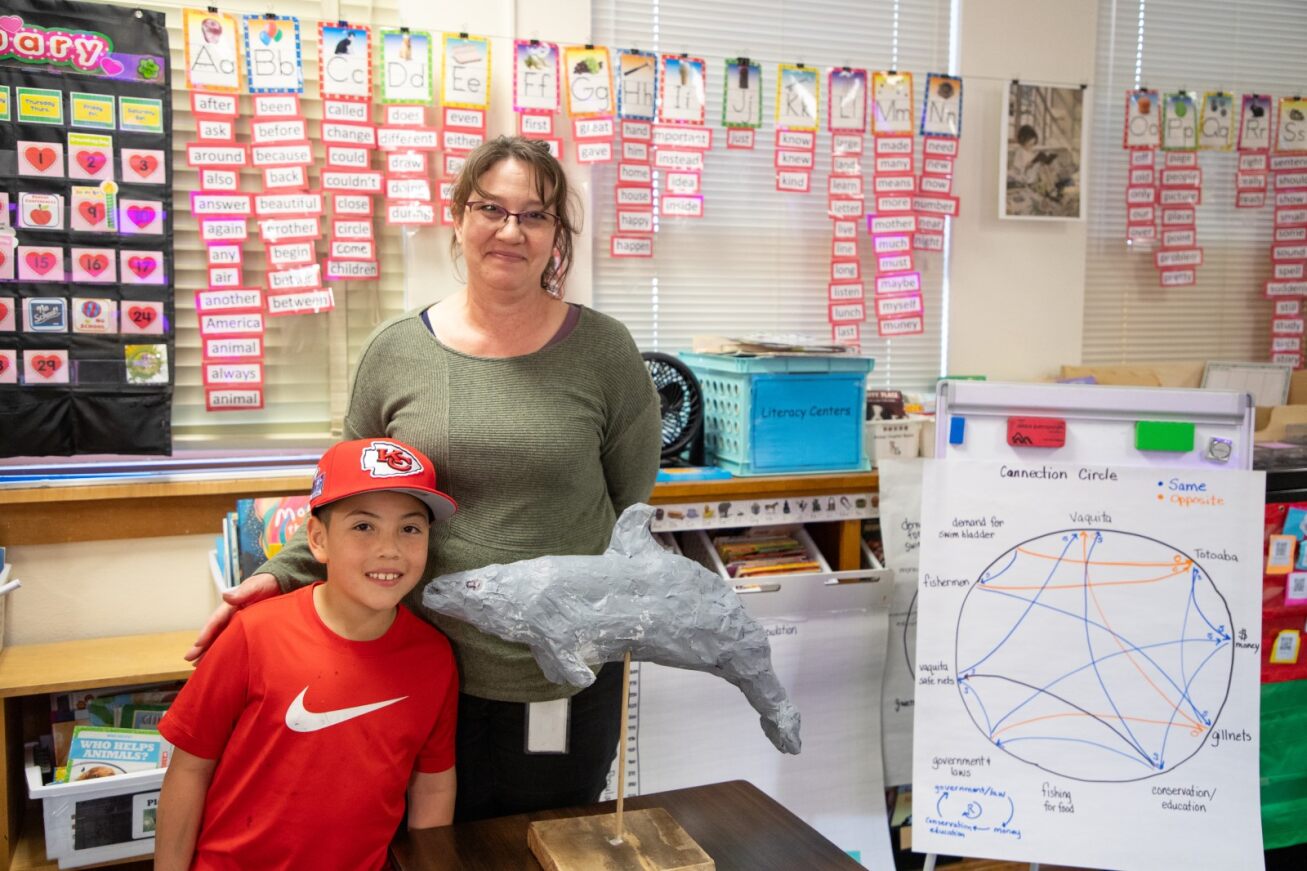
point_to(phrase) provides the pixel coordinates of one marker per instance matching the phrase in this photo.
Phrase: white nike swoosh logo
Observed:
(301, 719)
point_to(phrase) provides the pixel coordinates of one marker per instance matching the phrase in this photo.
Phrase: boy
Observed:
(298, 734)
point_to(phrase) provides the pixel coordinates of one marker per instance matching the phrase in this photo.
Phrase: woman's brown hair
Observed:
(551, 187)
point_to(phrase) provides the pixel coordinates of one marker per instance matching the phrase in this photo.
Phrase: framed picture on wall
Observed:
(1041, 157)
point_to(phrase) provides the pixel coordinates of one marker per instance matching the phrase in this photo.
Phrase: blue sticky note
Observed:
(957, 427)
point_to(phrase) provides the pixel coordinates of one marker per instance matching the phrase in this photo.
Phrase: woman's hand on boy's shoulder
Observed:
(253, 589)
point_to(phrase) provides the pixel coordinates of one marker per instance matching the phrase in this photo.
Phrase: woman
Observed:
(543, 423)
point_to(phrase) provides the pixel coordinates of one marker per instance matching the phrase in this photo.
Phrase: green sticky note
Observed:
(1164, 435)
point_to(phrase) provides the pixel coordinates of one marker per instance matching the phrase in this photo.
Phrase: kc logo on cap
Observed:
(389, 460)
(366, 465)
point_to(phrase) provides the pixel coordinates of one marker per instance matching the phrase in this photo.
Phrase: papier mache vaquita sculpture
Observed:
(577, 611)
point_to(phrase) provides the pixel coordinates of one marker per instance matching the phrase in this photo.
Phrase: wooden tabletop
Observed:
(735, 823)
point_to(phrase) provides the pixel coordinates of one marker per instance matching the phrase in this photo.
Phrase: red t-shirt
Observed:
(316, 736)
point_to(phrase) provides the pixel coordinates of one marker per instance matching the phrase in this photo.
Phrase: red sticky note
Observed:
(1036, 432)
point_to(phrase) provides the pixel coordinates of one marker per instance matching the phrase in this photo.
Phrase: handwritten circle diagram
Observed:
(1095, 654)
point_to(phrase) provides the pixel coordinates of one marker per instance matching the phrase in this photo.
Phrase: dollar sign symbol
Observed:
(1243, 634)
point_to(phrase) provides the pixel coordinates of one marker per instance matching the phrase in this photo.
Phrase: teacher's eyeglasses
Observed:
(494, 215)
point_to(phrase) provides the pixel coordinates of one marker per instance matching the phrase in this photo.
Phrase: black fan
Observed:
(681, 400)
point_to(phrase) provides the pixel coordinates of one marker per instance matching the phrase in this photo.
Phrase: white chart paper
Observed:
(828, 648)
(1087, 666)
(900, 530)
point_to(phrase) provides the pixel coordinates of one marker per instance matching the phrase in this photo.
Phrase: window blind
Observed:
(758, 261)
(1199, 45)
(307, 358)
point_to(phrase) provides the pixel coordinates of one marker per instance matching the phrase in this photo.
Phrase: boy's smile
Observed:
(375, 548)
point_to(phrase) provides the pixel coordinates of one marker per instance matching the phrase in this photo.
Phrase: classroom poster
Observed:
(1216, 129)
(742, 93)
(1291, 134)
(1255, 123)
(273, 63)
(86, 262)
(1142, 127)
(891, 104)
(536, 77)
(1180, 121)
(682, 89)
(847, 95)
(589, 80)
(1087, 662)
(212, 59)
(941, 110)
(406, 71)
(798, 90)
(345, 61)
(465, 71)
(637, 85)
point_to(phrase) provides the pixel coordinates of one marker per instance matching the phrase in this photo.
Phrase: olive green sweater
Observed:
(541, 452)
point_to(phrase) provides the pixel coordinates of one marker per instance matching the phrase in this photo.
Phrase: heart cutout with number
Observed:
(141, 216)
(94, 264)
(41, 262)
(4, 364)
(143, 164)
(4, 309)
(91, 161)
(46, 365)
(40, 156)
(142, 266)
(141, 315)
(92, 212)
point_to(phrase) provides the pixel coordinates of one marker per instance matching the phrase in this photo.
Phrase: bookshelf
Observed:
(27, 673)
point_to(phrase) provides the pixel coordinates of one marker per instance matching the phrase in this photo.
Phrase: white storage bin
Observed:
(697, 546)
(95, 821)
(893, 439)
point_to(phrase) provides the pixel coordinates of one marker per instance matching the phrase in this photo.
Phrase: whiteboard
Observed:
(1100, 422)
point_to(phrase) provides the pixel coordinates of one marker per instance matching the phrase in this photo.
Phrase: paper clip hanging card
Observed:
(465, 71)
(683, 98)
(1180, 121)
(273, 62)
(846, 90)
(941, 110)
(344, 61)
(637, 85)
(742, 94)
(406, 70)
(589, 80)
(891, 104)
(1143, 111)
(1255, 123)
(536, 85)
(1216, 126)
(798, 90)
(211, 54)
(1291, 134)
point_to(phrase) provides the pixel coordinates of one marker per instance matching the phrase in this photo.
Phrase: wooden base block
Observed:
(651, 841)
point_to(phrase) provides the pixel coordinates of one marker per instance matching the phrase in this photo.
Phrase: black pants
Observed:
(496, 776)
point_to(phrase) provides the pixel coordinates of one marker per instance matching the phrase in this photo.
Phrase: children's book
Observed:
(101, 751)
(263, 527)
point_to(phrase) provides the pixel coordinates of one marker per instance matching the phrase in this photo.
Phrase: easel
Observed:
(972, 423)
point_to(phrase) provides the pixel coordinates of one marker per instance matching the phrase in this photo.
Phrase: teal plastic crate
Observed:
(781, 415)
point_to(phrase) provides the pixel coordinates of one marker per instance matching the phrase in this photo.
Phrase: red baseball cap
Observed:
(367, 465)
